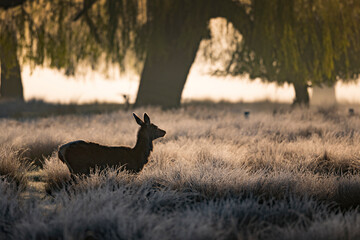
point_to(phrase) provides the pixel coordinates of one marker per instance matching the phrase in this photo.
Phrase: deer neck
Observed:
(143, 146)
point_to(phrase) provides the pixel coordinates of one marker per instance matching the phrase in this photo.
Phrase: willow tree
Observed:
(41, 33)
(62, 35)
(11, 86)
(165, 37)
(302, 42)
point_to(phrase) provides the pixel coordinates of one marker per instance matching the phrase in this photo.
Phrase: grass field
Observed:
(281, 173)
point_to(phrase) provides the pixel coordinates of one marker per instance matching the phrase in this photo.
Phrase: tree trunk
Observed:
(177, 29)
(164, 76)
(301, 94)
(172, 48)
(11, 85)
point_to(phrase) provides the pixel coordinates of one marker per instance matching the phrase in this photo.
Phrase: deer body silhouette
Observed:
(81, 156)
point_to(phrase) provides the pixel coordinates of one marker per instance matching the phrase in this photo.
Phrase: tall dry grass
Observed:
(284, 174)
(14, 166)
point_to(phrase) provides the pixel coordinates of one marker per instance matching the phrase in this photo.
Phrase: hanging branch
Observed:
(87, 5)
(84, 12)
(92, 27)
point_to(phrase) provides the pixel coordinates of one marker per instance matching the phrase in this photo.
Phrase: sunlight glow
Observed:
(53, 86)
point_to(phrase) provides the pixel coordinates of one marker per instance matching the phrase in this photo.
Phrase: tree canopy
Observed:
(299, 41)
(67, 34)
(294, 41)
(63, 34)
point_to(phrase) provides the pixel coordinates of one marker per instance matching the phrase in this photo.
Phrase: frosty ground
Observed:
(281, 173)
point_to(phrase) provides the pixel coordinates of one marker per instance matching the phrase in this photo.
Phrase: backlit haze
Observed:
(90, 86)
(53, 86)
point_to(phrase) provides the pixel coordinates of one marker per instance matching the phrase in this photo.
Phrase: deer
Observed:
(81, 156)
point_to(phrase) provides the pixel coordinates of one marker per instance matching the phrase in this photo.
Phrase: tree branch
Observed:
(235, 12)
(87, 5)
(6, 4)
(92, 27)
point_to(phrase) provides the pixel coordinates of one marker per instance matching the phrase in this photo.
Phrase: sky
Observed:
(53, 86)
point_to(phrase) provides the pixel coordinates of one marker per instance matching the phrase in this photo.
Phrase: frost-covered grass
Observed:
(13, 165)
(284, 174)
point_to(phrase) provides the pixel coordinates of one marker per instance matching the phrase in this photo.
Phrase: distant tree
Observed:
(29, 33)
(11, 86)
(44, 33)
(303, 42)
(175, 30)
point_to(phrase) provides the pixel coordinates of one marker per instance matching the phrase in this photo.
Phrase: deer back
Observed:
(81, 157)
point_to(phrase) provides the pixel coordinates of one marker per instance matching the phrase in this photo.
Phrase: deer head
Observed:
(151, 130)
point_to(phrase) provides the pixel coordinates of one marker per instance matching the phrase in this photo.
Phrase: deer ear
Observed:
(138, 120)
(146, 119)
